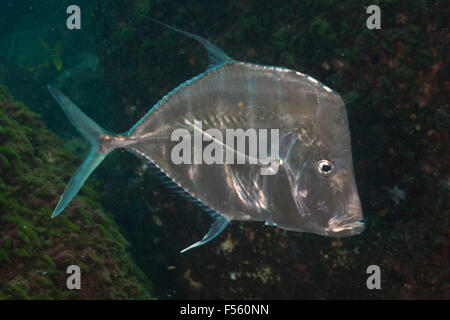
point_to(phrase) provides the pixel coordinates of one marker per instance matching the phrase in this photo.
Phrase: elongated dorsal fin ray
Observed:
(217, 226)
(216, 55)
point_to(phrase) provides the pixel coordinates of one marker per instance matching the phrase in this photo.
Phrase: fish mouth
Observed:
(345, 229)
(349, 224)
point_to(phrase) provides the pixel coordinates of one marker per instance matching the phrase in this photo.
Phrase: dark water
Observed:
(394, 83)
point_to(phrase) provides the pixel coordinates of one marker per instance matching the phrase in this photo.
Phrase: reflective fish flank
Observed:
(310, 185)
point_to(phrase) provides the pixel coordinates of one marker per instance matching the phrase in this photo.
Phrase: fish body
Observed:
(308, 184)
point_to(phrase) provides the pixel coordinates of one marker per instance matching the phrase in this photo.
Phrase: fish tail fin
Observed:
(93, 133)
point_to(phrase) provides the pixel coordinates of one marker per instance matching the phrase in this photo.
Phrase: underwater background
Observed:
(125, 228)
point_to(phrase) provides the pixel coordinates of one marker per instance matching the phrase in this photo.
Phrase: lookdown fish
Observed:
(309, 185)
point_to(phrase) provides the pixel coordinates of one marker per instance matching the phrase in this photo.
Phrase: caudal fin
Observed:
(91, 131)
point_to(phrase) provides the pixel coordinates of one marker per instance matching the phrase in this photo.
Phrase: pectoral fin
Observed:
(217, 226)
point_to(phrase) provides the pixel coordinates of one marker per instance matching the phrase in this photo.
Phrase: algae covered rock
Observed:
(36, 250)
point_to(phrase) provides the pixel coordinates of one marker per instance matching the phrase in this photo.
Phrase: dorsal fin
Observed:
(216, 55)
(219, 223)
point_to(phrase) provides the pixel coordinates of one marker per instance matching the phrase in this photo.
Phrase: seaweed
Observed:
(35, 250)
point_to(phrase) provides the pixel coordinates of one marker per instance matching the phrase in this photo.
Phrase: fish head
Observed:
(324, 187)
(327, 190)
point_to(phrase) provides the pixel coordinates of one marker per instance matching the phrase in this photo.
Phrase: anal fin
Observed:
(217, 226)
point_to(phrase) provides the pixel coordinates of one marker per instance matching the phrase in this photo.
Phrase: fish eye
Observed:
(325, 167)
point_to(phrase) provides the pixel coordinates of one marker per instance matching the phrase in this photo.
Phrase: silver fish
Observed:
(313, 188)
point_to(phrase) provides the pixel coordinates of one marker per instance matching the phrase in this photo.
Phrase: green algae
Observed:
(35, 250)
